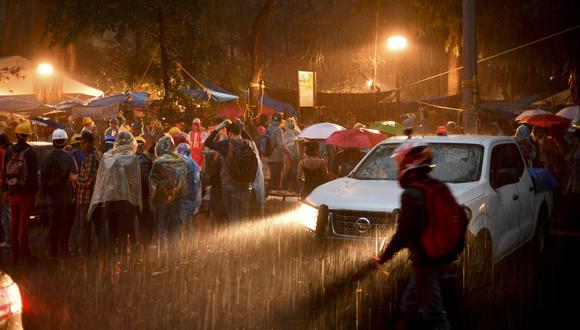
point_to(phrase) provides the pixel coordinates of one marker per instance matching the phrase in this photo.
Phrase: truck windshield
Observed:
(454, 163)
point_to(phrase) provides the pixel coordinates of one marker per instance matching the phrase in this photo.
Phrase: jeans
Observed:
(424, 292)
(290, 181)
(275, 175)
(236, 202)
(146, 222)
(167, 219)
(120, 216)
(61, 219)
(20, 209)
(76, 234)
(6, 220)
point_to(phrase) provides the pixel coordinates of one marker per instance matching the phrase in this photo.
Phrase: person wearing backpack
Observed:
(432, 227)
(20, 183)
(167, 188)
(238, 170)
(58, 182)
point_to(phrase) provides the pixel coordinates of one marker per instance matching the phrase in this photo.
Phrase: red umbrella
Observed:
(356, 138)
(545, 120)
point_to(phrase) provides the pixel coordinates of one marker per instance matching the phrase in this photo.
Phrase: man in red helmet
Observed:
(414, 162)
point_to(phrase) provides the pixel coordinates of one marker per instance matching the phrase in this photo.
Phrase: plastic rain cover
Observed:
(119, 174)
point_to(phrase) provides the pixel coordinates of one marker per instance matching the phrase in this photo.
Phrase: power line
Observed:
(495, 55)
(147, 69)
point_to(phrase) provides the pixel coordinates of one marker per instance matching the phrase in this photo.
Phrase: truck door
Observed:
(504, 176)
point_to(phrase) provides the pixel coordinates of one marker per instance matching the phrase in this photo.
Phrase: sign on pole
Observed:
(306, 85)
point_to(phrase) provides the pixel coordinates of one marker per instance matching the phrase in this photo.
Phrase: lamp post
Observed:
(397, 44)
(45, 71)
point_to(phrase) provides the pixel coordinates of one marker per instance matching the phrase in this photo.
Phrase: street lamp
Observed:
(45, 71)
(397, 44)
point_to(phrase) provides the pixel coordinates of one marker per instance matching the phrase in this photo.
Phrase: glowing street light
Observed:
(370, 83)
(45, 69)
(396, 43)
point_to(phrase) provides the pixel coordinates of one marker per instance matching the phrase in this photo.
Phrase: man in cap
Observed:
(20, 184)
(108, 143)
(197, 137)
(113, 129)
(75, 151)
(85, 182)
(276, 158)
(58, 181)
(145, 215)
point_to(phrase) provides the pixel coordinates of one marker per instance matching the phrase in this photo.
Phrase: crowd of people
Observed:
(149, 182)
(126, 188)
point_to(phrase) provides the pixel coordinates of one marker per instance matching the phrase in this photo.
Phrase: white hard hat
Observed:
(59, 134)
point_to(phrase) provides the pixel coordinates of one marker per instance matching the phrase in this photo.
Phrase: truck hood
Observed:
(361, 195)
(377, 195)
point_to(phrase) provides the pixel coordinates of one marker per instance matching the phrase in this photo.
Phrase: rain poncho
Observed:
(192, 201)
(168, 175)
(119, 174)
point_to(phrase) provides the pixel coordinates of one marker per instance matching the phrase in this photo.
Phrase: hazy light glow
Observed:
(45, 69)
(370, 83)
(397, 43)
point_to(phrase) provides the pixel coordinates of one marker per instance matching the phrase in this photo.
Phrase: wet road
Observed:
(270, 275)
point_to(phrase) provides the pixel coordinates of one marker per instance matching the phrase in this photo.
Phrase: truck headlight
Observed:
(309, 216)
(468, 213)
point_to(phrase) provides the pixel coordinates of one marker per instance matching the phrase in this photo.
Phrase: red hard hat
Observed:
(412, 154)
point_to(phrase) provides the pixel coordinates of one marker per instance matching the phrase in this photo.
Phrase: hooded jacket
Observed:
(119, 174)
(168, 174)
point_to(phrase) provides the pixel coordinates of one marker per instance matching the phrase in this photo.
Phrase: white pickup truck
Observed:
(486, 174)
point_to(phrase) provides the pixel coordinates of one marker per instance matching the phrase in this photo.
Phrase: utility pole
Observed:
(162, 47)
(469, 83)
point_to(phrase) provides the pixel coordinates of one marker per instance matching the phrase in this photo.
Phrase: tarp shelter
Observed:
(96, 112)
(509, 109)
(562, 98)
(232, 110)
(108, 107)
(211, 93)
(29, 84)
(270, 106)
(46, 122)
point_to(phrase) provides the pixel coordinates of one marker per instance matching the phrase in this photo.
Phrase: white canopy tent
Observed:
(29, 83)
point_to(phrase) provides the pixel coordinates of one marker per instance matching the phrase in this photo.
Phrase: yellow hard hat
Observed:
(23, 129)
(173, 130)
(75, 139)
(139, 139)
(127, 128)
(87, 120)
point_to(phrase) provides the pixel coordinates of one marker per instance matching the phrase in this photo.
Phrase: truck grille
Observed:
(354, 223)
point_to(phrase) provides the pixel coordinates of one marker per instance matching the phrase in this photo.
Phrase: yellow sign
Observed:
(306, 83)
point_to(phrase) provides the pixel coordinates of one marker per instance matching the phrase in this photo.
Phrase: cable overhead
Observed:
(495, 55)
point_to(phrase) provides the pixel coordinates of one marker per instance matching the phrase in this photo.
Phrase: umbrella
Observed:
(320, 131)
(356, 138)
(529, 113)
(571, 113)
(548, 120)
(388, 127)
